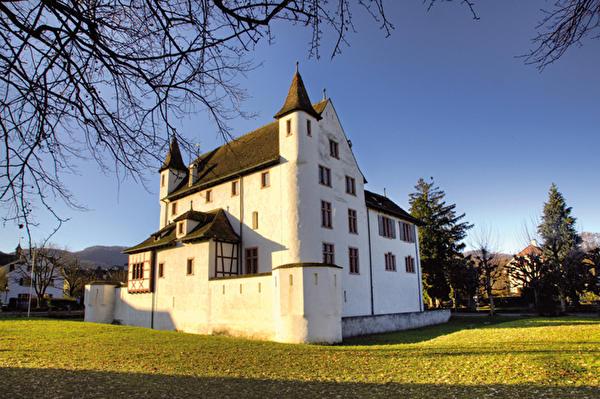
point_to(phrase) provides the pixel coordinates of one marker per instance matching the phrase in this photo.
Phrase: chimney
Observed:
(193, 174)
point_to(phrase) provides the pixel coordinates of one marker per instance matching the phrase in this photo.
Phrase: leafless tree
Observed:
(565, 25)
(590, 241)
(104, 79)
(530, 271)
(486, 246)
(43, 264)
(75, 276)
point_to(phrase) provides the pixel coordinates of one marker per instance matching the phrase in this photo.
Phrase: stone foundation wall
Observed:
(363, 325)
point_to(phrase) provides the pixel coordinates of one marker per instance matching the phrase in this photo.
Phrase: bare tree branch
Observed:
(103, 80)
(567, 24)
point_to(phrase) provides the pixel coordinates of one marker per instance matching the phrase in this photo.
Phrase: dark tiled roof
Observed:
(192, 215)
(385, 205)
(216, 225)
(5, 259)
(297, 100)
(213, 224)
(249, 152)
(165, 237)
(174, 160)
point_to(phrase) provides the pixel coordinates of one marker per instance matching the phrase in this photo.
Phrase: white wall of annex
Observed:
(180, 298)
(394, 291)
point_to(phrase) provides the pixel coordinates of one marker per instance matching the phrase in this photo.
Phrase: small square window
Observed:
(390, 262)
(353, 260)
(235, 188)
(251, 260)
(209, 196)
(326, 214)
(325, 176)
(410, 264)
(265, 180)
(352, 221)
(334, 149)
(254, 220)
(350, 185)
(328, 256)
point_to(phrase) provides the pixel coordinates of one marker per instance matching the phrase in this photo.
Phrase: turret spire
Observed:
(173, 159)
(297, 99)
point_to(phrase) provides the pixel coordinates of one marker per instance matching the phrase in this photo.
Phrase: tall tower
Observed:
(298, 144)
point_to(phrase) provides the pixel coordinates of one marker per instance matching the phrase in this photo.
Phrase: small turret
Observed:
(172, 173)
(297, 100)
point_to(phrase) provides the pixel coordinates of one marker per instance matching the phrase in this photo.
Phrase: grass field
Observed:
(509, 357)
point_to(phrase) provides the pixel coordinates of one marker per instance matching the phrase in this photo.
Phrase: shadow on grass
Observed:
(50, 383)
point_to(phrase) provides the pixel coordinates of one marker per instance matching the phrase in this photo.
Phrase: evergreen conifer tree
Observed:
(561, 248)
(439, 239)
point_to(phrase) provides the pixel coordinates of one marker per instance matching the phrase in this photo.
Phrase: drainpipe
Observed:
(240, 271)
(420, 277)
(153, 285)
(370, 262)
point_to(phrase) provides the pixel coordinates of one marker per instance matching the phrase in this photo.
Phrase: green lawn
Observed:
(509, 357)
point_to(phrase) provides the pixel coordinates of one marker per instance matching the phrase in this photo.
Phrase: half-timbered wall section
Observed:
(140, 273)
(226, 259)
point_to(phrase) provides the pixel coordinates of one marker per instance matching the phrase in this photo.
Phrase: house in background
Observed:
(272, 236)
(18, 281)
(516, 286)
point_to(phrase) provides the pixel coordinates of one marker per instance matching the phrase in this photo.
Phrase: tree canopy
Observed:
(557, 227)
(440, 239)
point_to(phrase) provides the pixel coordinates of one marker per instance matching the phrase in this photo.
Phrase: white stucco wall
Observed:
(99, 303)
(394, 291)
(242, 307)
(307, 305)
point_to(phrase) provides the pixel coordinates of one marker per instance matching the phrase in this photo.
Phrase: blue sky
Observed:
(445, 96)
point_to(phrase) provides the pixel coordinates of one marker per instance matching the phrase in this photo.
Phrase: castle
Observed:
(272, 236)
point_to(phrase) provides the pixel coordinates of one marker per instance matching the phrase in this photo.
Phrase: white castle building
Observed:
(272, 236)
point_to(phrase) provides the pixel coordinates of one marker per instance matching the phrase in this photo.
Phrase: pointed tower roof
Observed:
(297, 100)
(174, 160)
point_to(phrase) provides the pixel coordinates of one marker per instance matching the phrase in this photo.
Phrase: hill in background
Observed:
(104, 257)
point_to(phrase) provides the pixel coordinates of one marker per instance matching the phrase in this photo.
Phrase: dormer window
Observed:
(180, 228)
